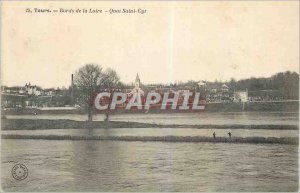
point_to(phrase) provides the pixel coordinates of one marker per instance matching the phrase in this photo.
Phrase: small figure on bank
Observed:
(214, 134)
(229, 134)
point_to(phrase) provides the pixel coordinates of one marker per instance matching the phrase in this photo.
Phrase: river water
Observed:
(243, 118)
(66, 165)
(149, 166)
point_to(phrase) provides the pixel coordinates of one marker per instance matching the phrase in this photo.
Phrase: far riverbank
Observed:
(254, 106)
(36, 124)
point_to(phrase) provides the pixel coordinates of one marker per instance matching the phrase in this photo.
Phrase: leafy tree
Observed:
(87, 81)
(110, 80)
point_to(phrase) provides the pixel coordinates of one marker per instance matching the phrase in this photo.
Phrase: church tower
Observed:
(137, 82)
(137, 89)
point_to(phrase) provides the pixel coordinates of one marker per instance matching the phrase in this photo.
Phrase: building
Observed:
(33, 90)
(202, 83)
(225, 88)
(137, 86)
(240, 96)
(137, 82)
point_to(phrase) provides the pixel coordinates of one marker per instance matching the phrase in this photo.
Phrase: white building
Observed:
(225, 88)
(202, 83)
(240, 96)
(32, 90)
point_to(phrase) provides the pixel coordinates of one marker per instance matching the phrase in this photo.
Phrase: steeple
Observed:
(137, 81)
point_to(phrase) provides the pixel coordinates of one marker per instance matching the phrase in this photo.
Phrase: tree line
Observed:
(287, 83)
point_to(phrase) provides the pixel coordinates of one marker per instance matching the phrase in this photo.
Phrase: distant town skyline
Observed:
(171, 42)
(132, 83)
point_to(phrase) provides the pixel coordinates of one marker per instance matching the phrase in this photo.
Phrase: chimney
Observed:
(72, 90)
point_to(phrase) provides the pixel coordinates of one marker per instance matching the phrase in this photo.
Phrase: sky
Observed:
(172, 41)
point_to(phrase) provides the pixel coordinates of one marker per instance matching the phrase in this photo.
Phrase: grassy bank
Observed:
(35, 124)
(193, 139)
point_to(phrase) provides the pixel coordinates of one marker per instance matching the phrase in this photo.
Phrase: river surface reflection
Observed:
(149, 166)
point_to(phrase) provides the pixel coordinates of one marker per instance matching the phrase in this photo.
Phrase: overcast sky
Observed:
(173, 41)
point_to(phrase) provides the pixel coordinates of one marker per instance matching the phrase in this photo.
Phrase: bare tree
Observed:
(110, 81)
(87, 81)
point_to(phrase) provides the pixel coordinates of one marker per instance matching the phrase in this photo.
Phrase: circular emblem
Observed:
(19, 172)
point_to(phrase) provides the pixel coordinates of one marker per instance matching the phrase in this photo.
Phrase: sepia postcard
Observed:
(149, 96)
